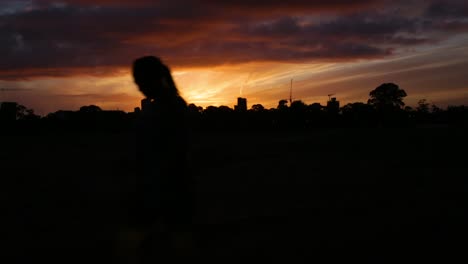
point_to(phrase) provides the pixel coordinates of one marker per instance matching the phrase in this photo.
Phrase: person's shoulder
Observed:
(180, 103)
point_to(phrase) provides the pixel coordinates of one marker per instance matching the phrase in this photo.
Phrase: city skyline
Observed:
(63, 55)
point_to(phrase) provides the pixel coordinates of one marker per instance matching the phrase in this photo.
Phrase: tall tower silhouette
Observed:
(241, 104)
(333, 105)
(145, 104)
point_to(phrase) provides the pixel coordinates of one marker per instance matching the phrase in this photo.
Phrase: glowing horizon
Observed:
(341, 48)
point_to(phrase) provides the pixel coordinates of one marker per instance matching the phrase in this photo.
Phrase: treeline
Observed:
(87, 118)
(385, 107)
(299, 115)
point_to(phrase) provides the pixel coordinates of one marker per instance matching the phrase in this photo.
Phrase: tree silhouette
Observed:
(12, 111)
(298, 106)
(258, 108)
(225, 109)
(387, 97)
(282, 104)
(315, 107)
(435, 109)
(90, 109)
(423, 106)
(357, 108)
(193, 108)
(24, 113)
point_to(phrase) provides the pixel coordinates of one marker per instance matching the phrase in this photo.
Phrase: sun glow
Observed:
(261, 83)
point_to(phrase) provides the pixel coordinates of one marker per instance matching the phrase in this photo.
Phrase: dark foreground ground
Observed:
(373, 195)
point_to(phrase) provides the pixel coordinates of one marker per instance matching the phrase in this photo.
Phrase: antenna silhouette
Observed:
(329, 98)
(290, 93)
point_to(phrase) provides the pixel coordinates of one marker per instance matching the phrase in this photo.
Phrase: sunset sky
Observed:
(66, 54)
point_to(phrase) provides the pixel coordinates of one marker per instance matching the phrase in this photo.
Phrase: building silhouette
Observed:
(333, 106)
(241, 104)
(145, 104)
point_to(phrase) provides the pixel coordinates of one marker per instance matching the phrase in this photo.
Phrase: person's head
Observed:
(153, 78)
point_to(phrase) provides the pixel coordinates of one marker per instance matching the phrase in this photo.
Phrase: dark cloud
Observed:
(448, 16)
(13, 89)
(95, 37)
(225, 4)
(448, 9)
(362, 28)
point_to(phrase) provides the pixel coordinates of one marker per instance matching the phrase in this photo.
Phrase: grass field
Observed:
(372, 194)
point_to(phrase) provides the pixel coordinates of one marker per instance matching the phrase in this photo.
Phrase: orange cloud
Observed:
(50, 39)
(62, 56)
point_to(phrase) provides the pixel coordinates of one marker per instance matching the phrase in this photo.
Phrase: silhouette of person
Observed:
(163, 185)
